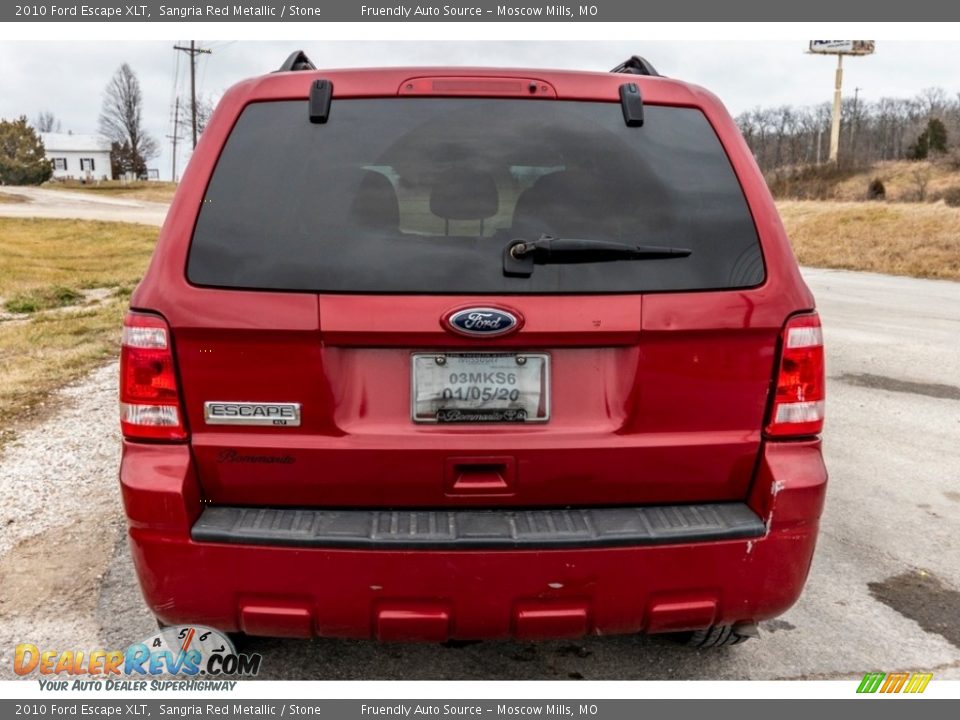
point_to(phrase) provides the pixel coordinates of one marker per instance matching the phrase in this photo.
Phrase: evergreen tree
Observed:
(932, 139)
(936, 135)
(22, 158)
(920, 148)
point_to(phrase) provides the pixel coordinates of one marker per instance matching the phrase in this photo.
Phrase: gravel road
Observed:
(883, 593)
(45, 203)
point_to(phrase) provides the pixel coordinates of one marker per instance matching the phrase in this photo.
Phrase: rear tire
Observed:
(712, 637)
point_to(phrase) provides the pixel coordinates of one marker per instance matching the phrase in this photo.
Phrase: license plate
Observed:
(480, 387)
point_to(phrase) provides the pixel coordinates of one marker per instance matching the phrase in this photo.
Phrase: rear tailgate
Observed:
(652, 400)
(659, 371)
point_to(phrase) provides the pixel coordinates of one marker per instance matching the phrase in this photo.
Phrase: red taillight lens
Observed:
(149, 398)
(801, 385)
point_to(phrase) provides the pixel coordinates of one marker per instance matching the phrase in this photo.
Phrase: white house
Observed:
(78, 157)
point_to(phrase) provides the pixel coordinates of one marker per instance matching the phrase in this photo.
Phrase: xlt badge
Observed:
(225, 412)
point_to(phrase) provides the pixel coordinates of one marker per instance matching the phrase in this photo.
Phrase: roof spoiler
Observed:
(636, 65)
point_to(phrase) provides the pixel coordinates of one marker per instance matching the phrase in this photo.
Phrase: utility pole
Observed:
(175, 137)
(193, 51)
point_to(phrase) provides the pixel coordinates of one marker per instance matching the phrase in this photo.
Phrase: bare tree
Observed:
(205, 106)
(789, 137)
(121, 119)
(46, 122)
(933, 100)
(921, 176)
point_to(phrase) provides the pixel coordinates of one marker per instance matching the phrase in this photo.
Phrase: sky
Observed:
(68, 79)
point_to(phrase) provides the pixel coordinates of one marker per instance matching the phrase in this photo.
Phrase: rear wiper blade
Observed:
(520, 255)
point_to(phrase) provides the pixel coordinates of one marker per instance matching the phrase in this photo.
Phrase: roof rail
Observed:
(636, 65)
(298, 60)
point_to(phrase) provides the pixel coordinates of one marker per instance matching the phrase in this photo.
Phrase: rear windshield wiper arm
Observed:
(520, 256)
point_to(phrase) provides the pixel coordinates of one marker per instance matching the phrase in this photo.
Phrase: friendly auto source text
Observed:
(549, 709)
(413, 11)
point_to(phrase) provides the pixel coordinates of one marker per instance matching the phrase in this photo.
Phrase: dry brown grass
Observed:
(51, 348)
(920, 240)
(903, 180)
(36, 253)
(154, 191)
(900, 179)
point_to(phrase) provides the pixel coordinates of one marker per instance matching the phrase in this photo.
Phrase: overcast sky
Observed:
(67, 79)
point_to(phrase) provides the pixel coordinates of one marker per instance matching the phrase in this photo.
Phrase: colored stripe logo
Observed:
(901, 682)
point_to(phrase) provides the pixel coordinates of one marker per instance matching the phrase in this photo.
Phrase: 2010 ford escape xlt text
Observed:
(471, 353)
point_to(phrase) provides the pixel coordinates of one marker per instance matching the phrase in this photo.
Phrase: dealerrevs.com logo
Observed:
(202, 655)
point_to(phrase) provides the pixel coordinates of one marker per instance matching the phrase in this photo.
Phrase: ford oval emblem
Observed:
(483, 322)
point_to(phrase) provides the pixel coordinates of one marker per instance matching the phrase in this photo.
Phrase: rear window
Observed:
(421, 195)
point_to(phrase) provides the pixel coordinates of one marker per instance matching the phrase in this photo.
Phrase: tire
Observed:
(712, 637)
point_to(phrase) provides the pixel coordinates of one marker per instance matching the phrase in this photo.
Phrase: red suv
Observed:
(431, 353)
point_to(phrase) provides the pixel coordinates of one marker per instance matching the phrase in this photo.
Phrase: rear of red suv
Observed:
(472, 353)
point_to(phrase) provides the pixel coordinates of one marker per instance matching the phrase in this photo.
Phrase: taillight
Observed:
(150, 407)
(801, 386)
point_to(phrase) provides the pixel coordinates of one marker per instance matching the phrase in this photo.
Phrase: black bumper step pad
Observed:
(469, 529)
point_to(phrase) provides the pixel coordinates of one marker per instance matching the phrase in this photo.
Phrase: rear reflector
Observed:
(798, 405)
(149, 397)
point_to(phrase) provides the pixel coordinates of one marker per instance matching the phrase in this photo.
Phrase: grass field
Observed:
(152, 191)
(44, 266)
(916, 239)
(80, 254)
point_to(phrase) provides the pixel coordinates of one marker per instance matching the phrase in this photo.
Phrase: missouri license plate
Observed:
(480, 387)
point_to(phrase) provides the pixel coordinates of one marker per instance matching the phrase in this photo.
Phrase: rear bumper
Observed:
(435, 594)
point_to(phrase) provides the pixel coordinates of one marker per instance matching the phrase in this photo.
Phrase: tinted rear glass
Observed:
(421, 195)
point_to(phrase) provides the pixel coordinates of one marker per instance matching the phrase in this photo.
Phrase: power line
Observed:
(193, 51)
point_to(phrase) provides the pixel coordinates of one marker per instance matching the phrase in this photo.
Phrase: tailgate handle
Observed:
(479, 476)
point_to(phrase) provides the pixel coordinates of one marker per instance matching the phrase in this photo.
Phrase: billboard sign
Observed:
(843, 47)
